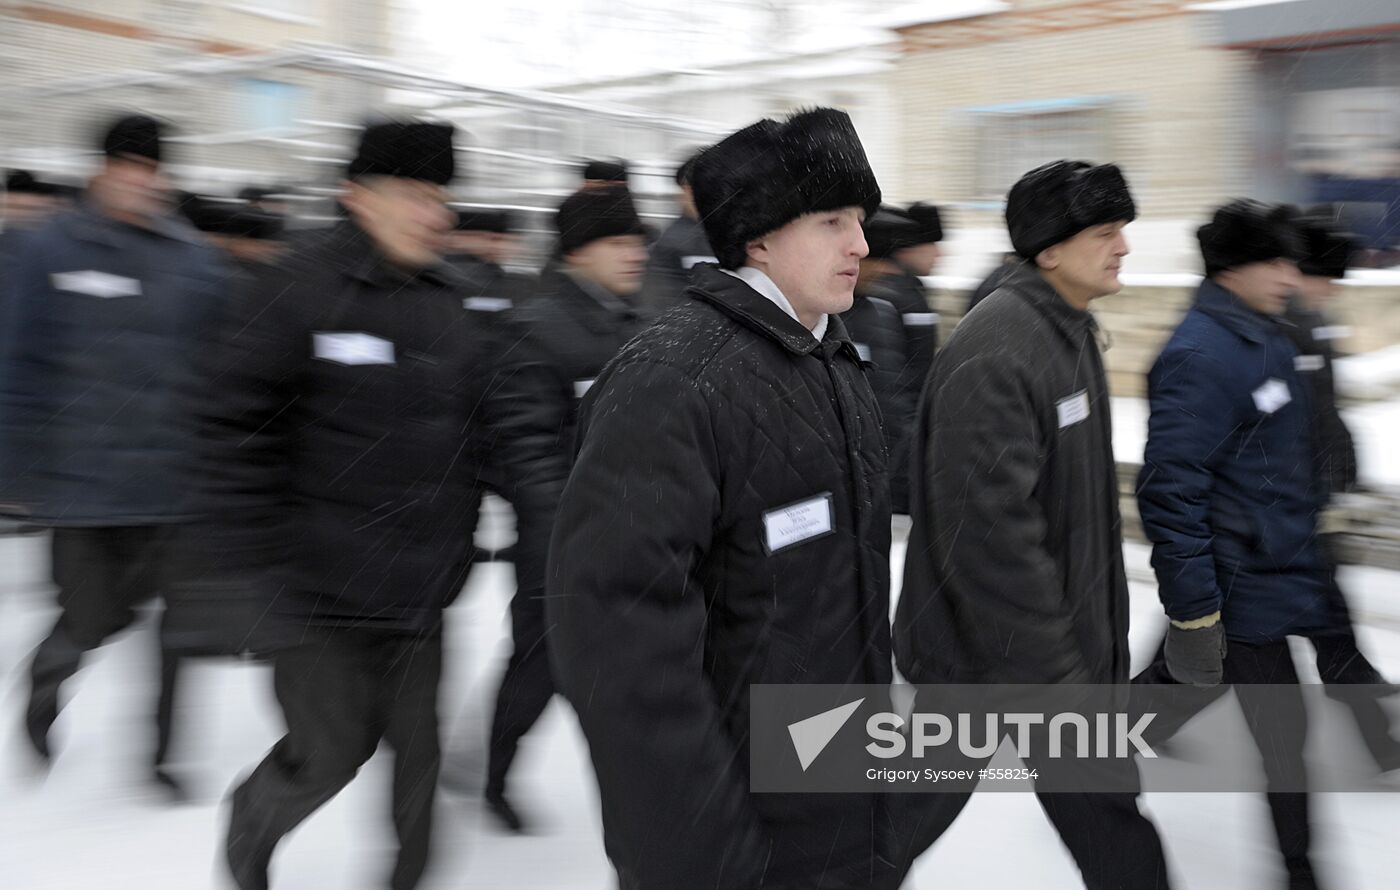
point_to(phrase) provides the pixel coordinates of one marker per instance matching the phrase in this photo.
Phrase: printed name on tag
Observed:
(798, 522)
(487, 304)
(921, 319)
(351, 348)
(689, 261)
(1272, 396)
(1073, 409)
(863, 350)
(1332, 332)
(1307, 363)
(581, 387)
(93, 283)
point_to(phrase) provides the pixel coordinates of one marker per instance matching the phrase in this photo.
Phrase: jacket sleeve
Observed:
(985, 455)
(1189, 425)
(243, 450)
(636, 521)
(525, 420)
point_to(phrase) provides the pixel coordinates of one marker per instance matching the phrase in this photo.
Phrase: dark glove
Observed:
(1196, 655)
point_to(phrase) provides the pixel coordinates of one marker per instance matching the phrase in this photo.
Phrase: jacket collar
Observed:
(1027, 282)
(86, 223)
(1228, 309)
(735, 298)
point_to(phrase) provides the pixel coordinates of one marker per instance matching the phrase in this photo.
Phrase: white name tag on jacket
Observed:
(581, 387)
(1073, 409)
(863, 350)
(921, 319)
(689, 261)
(1272, 396)
(798, 522)
(96, 284)
(1307, 363)
(352, 348)
(1332, 332)
(487, 304)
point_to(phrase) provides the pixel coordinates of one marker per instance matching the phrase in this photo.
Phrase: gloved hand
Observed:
(1195, 651)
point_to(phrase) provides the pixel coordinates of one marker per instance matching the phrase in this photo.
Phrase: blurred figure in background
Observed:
(680, 247)
(246, 236)
(896, 279)
(1228, 498)
(727, 523)
(109, 309)
(358, 410)
(1327, 252)
(877, 328)
(1015, 570)
(994, 278)
(267, 199)
(480, 246)
(28, 202)
(585, 309)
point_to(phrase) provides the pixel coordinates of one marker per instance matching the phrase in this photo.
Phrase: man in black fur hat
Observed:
(480, 246)
(108, 309)
(727, 523)
(681, 246)
(583, 311)
(601, 174)
(242, 232)
(27, 202)
(1014, 573)
(359, 409)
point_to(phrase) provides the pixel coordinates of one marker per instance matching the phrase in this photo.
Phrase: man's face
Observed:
(132, 188)
(1263, 286)
(24, 210)
(616, 262)
(408, 219)
(1087, 265)
(815, 260)
(252, 250)
(920, 258)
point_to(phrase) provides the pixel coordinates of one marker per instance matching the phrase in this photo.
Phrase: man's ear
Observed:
(757, 250)
(1049, 258)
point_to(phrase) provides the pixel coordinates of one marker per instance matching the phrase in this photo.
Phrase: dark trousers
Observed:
(102, 575)
(1279, 732)
(1114, 844)
(526, 687)
(341, 694)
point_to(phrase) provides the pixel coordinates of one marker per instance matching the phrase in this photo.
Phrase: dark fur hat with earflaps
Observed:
(766, 175)
(1245, 231)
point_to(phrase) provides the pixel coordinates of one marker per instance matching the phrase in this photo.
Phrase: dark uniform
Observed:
(104, 323)
(575, 326)
(1014, 572)
(359, 409)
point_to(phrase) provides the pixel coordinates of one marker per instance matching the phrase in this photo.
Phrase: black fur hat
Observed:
(888, 230)
(497, 221)
(766, 175)
(590, 214)
(407, 150)
(606, 171)
(685, 173)
(1328, 250)
(22, 182)
(1056, 201)
(1244, 231)
(134, 135)
(929, 221)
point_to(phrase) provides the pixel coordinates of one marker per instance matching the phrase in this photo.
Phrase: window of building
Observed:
(1013, 139)
(271, 104)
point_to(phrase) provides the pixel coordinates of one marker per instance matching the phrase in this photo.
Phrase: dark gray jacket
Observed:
(102, 326)
(1014, 572)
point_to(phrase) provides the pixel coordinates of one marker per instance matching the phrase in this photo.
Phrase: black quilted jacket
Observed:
(675, 582)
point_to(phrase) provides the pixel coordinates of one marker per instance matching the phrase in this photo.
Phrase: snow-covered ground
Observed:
(93, 822)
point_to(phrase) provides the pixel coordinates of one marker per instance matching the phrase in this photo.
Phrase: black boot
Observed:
(56, 659)
(499, 807)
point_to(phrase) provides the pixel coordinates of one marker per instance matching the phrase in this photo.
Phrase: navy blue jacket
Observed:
(103, 323)
(1227, 493)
